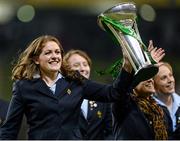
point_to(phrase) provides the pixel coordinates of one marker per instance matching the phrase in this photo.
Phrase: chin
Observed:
(150, 91)
(172, 91)
(86, 76)
(54, 70)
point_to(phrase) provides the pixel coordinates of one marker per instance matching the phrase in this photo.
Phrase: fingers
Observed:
(159, 51)
(153, 50)
(158, 54)
(150, 47)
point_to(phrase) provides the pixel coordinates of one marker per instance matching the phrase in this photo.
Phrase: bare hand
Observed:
(156, 53)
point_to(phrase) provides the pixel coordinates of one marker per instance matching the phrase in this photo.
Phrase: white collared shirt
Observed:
(84, 107)
(53, 86)
(175, 106)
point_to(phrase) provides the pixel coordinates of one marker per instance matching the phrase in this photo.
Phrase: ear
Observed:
(36, 60)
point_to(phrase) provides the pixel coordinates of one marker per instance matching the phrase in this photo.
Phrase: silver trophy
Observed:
(120, 21)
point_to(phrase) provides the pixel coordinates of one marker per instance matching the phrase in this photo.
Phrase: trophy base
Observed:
(144, 74)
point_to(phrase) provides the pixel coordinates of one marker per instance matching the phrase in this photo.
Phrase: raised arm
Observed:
(110, 93)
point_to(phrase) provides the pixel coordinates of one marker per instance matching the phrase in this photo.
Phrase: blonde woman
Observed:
(96, 117)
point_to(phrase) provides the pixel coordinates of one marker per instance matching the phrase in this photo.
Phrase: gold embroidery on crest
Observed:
(99, 114)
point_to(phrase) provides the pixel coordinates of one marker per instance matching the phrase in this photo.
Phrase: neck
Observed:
(49, 78)
(165, 98)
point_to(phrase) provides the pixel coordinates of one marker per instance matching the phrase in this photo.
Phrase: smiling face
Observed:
(79, 63)
(50, 58)
(164, 80)
(145, 88)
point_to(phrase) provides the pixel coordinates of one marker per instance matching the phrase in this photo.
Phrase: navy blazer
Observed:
(129, 123)
(3, 110)
(54, 116)
(98, 124)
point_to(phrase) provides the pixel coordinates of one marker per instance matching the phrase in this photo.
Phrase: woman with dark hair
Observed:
(50, 94)
(137, 116)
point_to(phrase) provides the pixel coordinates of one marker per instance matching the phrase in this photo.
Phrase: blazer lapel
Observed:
(41, 86)
(82, 116)
(61, 87)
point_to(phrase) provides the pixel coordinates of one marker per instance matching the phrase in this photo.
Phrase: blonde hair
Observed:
(79, 52)
(167, 65)
(25, 67)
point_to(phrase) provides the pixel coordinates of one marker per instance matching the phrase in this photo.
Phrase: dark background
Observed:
(75, 24)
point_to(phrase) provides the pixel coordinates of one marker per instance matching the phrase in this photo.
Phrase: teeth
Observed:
(170, 86)
(148, 84)
(53, 62)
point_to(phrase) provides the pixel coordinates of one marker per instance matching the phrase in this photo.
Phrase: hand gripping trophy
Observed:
(120, 21)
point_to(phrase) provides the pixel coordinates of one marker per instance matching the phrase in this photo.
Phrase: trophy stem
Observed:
(124, 49)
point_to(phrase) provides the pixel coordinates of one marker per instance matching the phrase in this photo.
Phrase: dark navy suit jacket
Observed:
(129, 123)
(54, 116)
(98, 124)
(3, 110)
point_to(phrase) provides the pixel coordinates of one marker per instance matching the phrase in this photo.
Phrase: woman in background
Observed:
(165, 96)
(96, 117)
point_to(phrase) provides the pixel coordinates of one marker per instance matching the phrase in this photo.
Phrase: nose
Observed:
(54, 55)
(170, 79)
(82, 68)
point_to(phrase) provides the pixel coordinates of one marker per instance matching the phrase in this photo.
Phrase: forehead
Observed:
(51, 45)
(146, 81)
(163, 70)
(77, 58)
